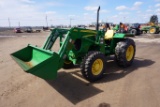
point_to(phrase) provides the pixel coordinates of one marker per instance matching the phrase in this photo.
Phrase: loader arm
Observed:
(52, 38)
(42, 61)
(65, 45)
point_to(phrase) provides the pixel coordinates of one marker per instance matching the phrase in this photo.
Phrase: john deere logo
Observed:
(89, 31)
(88, 35)
(75, 30)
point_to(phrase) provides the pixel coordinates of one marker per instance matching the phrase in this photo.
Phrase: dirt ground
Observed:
(136, 86)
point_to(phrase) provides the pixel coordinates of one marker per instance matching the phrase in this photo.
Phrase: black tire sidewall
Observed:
(91, 64)
(134, 31)
(120, 52)
(86, 66)
(68, 66)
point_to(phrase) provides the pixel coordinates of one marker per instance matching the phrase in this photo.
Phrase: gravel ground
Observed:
(136, 86)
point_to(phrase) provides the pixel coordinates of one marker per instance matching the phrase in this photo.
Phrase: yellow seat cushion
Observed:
(109, 34)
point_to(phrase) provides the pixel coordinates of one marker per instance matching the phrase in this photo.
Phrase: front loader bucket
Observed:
(37, 61)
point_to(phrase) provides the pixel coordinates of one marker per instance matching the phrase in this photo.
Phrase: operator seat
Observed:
(109, 34)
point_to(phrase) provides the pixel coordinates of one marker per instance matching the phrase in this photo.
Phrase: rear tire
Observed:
(93, 66)
(152, 30)
(125, 52)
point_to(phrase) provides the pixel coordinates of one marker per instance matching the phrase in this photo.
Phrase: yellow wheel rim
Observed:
(129, 53)
(97, 67)
(67, 62)
(152, 30)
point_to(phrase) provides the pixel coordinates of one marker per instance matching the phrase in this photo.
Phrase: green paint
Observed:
(37, 61)
(44, 63)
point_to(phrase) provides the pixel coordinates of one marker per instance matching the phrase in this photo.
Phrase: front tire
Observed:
(67, 64)
(125, 52)
(93, 66)
(144, 32)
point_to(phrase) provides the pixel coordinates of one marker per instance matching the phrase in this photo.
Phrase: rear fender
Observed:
(122, 35)
(119, 35)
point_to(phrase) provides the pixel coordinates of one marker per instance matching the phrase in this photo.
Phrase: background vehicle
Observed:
(85, 47)
(134, 29)
(17, 30)
(153, 27)
(46, 28)
(81, 26)
(30, 30)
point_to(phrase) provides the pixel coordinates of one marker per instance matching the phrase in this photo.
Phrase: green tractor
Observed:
(78, 46)
(153, 27)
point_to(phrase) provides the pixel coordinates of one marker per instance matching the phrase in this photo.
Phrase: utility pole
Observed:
(19, 24)
(9, 22)
(46, 21)
(71, 21)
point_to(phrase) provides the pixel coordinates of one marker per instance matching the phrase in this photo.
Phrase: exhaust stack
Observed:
(97, 25)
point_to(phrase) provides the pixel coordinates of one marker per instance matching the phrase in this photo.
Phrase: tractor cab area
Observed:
(108, 39)
(109, 35)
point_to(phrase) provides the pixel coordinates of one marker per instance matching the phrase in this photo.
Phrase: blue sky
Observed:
(61, 12)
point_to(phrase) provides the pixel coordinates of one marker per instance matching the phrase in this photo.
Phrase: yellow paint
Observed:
(129, 53)
(152, 30)
(67, 62)
(88, 35)
(89, 31)
(109, 34)
(75, 30)
(97, 67)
